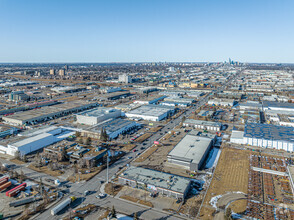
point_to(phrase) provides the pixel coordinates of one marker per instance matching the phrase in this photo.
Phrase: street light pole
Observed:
(107, 163)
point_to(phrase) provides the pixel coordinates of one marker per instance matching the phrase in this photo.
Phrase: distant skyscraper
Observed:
(66, 67)
(61, 72)
(52, 72)
(230, 61)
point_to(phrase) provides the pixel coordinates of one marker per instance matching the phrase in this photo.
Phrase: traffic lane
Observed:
(129, 208)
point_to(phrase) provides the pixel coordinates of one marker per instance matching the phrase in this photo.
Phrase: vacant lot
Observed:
(231, 175)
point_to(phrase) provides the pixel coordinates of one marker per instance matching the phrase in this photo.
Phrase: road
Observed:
(94, 184)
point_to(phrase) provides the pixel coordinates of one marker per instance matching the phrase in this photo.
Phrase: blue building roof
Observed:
(269, 132)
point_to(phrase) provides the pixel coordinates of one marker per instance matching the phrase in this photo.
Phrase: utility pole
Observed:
(107, 164)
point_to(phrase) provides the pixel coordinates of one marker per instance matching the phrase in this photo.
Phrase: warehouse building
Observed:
(222, 102)
(113, 127)
(190, 153)
(250, 105)
(237, 137)
(278, 106)
(176, 103)
(114, 96)
(150, 100)
(34, 140)
(151, 112)
(47, 113)
(67, 89)
(206, 125)
(155, 181)
(97, 115)
(269, 136)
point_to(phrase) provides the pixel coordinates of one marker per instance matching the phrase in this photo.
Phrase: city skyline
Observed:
(145, 31)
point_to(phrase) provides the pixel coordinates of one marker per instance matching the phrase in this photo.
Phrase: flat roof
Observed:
(98, 112)
(151, 98)
(269, 132)
(269, 104)
(35, 113)
(201, 122)
(192, 147)
(112, 125)
(158, 179)
(151, 110)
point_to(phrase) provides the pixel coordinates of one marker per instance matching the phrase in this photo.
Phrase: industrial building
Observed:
(267, 136)
(18, 96)
(191, 151)
(146, 90)
(250, 105)
(31, 141)
(97, 115)
(150, 100)
(47, 113)
(278, 106)
(155, 181)
(113, 127)
(222, 102)
(110, 89)
(206, 125)
(151, 112)
(114, 96)
(67, 89)
(7, 131)
(176, 103)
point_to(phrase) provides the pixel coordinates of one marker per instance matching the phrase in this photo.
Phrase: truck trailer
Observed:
(62, 205)
(5, 185)
(3, 180)
(16, 190)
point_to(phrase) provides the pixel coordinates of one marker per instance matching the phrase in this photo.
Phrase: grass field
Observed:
(231, 175)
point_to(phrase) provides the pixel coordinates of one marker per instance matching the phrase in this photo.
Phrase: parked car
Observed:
(101, 195)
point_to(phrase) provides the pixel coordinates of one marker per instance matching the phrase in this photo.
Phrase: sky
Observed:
(146, 31)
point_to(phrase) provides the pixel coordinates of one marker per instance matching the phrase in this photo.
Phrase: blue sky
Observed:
(146, 30)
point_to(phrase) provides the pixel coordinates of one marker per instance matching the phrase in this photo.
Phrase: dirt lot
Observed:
(231, 175)
(85, 176)
(46, 170)
(5, 209)
(156, 156)
(112, 189)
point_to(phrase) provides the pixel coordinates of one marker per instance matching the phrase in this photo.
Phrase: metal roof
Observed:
(192, 147)
(269, 132)
(158, 179)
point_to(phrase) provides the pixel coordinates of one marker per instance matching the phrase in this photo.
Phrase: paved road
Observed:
(94, 184)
